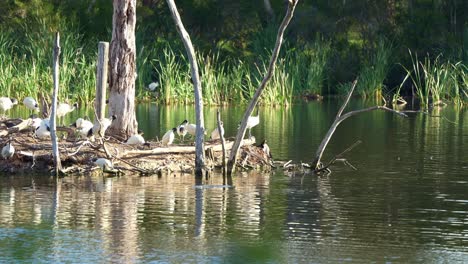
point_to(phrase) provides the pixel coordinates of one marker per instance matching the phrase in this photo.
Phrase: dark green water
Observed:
(406, 203)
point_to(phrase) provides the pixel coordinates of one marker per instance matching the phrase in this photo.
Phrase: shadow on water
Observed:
(405, 203)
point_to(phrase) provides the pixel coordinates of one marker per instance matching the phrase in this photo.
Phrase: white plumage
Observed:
(64, 108)
(104, 164)
(136, 139)
(83, 126)
(106, 122)
(168, 138)
(35, 122)
(215, 134)
(31, 104)
(191, 129)
(152, 86)
(252, 121)
(8, 151)
(7, 103)
(181, 131)
(43, 130)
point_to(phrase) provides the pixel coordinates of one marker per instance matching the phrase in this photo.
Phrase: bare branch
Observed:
(243, 127)
(347, 99)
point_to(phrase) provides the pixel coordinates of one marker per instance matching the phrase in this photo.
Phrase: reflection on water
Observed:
(406, 203)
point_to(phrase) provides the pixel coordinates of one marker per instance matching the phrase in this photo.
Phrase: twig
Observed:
(338, 156)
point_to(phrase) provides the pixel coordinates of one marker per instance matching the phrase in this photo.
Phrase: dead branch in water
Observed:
(316, 164)
(53, 124)
(243, 127)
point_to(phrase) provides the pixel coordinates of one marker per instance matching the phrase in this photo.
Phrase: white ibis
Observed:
(31, 104)
(104, 164)
(43, 130)
(8, 150)
(83, 126)
(97, 129)
(136, 139)
(252, 121)
(181, 131)
(215, 134)
(64, 108)
(7, 103)
(168, 138)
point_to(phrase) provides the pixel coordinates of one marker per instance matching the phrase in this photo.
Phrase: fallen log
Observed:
(185, 149)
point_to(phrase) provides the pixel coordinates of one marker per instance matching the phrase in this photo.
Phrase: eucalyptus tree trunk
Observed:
(243, 127)
(122, 68)
(199, 133)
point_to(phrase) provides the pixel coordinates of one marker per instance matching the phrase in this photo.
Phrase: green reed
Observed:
(436, 80)
(372, 75)
(27, 68)
(279, 90)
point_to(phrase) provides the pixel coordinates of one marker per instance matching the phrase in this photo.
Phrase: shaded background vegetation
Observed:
(328, 44)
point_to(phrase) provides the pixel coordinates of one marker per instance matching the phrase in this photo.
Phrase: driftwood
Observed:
(243, 127)
(316, 164)
(199, 133)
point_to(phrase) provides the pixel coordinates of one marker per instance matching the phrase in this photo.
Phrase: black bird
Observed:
(265, 148)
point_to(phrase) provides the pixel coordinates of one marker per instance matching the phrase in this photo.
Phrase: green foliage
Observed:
(435, 80)
(326, 46)
(372, 76)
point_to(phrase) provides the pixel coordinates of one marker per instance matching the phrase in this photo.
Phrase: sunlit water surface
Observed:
(407, 202)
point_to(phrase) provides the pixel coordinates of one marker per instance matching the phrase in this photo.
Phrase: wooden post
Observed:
(53, 134)
(218, 117)
(101, 80)
(243, 127)
(199, 135)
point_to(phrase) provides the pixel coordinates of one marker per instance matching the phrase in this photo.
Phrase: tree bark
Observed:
(199, 134)
(122, 68)
(53, 119)
(279, 40)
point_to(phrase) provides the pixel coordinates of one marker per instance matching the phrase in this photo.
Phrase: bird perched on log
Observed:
(31, 104)
(82, 126)
(8, 150)
(136, 139)
(97, 129)
(265, 148)
(7, 103)
(168, 138)
(215, 134)
(181, 130)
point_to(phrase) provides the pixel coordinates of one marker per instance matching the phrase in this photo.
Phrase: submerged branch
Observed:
(316, 164)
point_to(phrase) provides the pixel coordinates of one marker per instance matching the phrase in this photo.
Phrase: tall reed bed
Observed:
(436, 80)
(374, 71)
(26, 68)
(308, 67)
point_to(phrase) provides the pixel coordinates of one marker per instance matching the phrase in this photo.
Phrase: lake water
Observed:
(407, 202)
